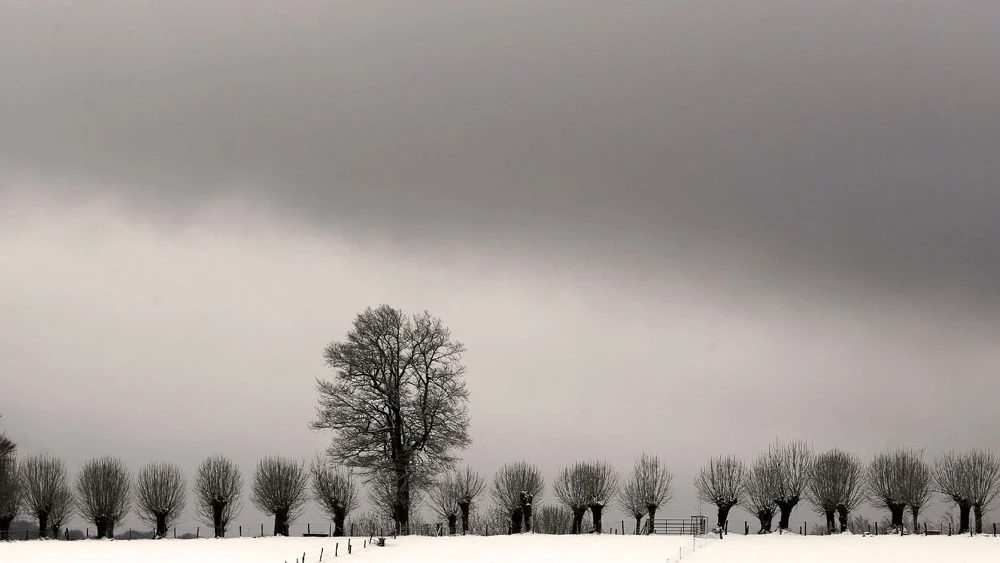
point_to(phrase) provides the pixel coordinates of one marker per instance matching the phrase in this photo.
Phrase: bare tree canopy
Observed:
(160, 494)
(11, 491)
(794, 465)
(763, 486)
(444, 501)
(516, 486)
(279, 488)
(836, 486)
(104, 491)
(469, 484)
(218, 488)
(62, 509)
(971, 480)
(721, 483)
(335, 491)
(382, 495)
(570, 488)
(648, 487)
(600, 486)
(898, 478)
(398, 404)
(44, 479)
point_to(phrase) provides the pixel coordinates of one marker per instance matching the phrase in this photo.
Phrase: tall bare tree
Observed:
(648, 487)
(953, 479)
(335, 491)
(516, 486)
(469, 484)
(160, 494)
(570, 488)
(794, 463)
(218, 487)
(279, 488)
(763, 486)
(984, 483)
(721, 483)
(836, 486)
(104, 491)
(399, 401)
(43, 478)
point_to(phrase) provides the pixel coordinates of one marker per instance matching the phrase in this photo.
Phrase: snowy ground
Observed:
(520, 549)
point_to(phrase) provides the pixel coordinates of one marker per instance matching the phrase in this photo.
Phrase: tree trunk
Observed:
(977, 510)
(111, 528)
(102, 527)
(842, 515)
(786, 507)
(578, 514)
(217, 509)
(43, 524)
(896, 513)
(765, 517)
(5, 527)
(281, 522)
(526, 510)
(161, 525)
(638, 520)
(339, 515)
(915, 512)
(463, 507)
(651, 508)
(596, 510)
(963, 516)
(724, 514)
(828, 512)
(452, 524)
(516, 516)
(401, 505)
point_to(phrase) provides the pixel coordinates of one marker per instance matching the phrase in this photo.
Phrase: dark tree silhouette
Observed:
(570, 488)
(335, 491)
(279, 489)
(469, 484)
(104, 490)
(649, 486)
(218, 487)
(721, 483)
(763, 486)
(161, 493)
(382, 495)
(43, 479)
(444, 500)
(953, 479)
(398, 404)
(11, 491)
(794, 466)
(601, 486)
(509, 483)
(836, 487)
(62, 509)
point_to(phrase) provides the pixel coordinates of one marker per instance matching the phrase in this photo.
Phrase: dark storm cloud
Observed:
(848, 140)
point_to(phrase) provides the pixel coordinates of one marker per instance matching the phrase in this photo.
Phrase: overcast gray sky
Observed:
(685, 227)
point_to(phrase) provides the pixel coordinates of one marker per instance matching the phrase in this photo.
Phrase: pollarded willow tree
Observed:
(836, 487)
(104, 493)
(398, 403)
(160, 494)
(897, 479)
(600, 487)
(469, 485)
(279, 489)
(763, 486)
(649, 487)
(793, 461)
(218, 488)
(335, 491)
(444, 501)
(971, 480)
(570, 489)
(62, 509)
(721, 483)
(11, 491)
(43, 479)
(516, 486)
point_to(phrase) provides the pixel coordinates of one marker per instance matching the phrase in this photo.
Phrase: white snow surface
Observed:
(519, 549)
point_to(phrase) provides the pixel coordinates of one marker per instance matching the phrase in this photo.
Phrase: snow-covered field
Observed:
(519, 549)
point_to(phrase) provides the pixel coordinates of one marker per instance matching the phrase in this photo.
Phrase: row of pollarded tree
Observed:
(836, 482)
(583, 487)
(106, 491)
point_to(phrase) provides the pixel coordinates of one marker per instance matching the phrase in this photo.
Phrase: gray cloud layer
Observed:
(851, 140)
